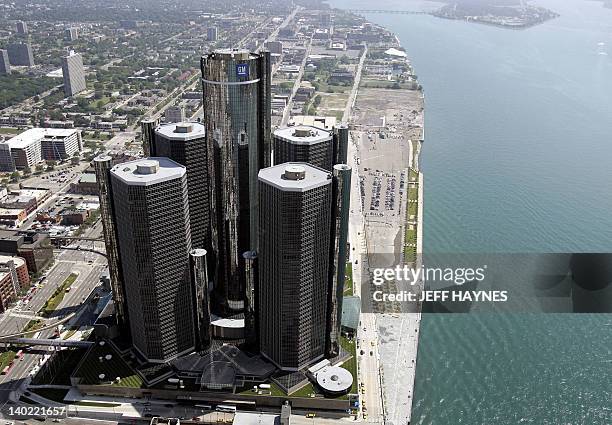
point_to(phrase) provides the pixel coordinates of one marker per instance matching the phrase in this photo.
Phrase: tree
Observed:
(27, 171)
(15, 176)
(51, 165)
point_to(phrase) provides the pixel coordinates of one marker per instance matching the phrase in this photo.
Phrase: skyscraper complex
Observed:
(204, 234)
(73, 73)
(293, 262)
(236, 85)
(151, 211)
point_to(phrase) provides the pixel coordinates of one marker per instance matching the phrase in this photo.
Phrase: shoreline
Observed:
(387, 131)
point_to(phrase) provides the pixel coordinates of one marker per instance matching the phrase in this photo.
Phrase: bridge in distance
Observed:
(396, 12)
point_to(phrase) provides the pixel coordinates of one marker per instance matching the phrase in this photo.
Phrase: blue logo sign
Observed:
(242, 70)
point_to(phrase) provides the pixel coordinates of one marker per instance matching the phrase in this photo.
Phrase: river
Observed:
(516, 159)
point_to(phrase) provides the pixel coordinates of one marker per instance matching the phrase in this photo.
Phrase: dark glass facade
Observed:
(341, 198)
(293, 261)
(152, 220)
(304, 144)
(236, 105)
(185, 143)
(103, 165)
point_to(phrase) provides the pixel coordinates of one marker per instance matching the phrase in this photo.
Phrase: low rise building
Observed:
(18, 268)
(36, 144)
(86, 185)
(12, 216)
(35, 248)
(8, 294)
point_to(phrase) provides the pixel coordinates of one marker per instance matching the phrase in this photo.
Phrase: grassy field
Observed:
(57, 297)
(5, 358)
(116, 367)
(8, 130)
(348, 283)
(275, 390)
(305, 391)
(412, 211)
(33, 325)
(350, 364)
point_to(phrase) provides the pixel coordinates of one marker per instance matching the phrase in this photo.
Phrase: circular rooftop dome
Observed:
(302, 131)
(295, 172)
(183, 127)
(149, 166)
(334, 379)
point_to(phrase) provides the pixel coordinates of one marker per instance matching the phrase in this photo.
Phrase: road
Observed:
(296, 86)
(353, 96)
(88, 266)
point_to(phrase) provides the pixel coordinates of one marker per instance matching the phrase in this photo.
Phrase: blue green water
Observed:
(516, 159)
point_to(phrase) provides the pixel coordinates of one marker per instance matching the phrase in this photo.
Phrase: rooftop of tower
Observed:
(295, 176)
(232, 54)
(148, 171)
(303, 135)
(181, 131)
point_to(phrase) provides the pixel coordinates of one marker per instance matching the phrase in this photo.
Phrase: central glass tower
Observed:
(236, 103)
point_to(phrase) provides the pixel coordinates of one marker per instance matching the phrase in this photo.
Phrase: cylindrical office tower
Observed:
(294, 237)
(304, 144)
(341, 140)
(250, 308)
(341, 205)
(236, 105)
(148, 126)
(152, 219)
(103, 165)
(185, 143)
(199, 275)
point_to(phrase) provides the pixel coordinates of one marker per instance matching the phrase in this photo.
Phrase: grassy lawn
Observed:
(348, 283)
(412, 212)
(413, 208)
(413, 192)
(275, 390)
(57, 297)
(33, 325)
(55, 394)
(92, 367)
(7, 130)
(380, 84)
(350, 364)
(305, 391)
(5, 358)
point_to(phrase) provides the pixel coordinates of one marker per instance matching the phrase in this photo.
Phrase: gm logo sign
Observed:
(242, 70)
